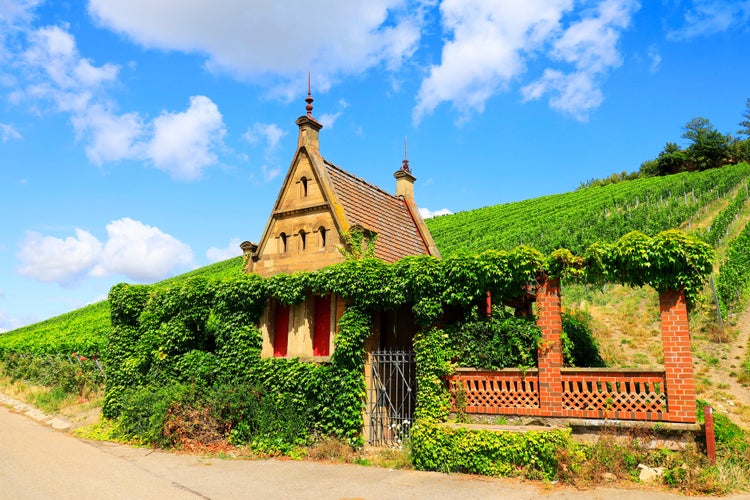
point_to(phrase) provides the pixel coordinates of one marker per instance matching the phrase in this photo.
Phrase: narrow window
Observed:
(281, 331)
(302, 239)
(283, 242)
(304, 186)
(322, 232)
(322, 329)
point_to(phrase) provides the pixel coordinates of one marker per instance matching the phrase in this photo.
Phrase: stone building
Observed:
(317, 203)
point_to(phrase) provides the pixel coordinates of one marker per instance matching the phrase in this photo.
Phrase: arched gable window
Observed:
(282, 237)
(303, 182)
(322, 232)
(302, 239)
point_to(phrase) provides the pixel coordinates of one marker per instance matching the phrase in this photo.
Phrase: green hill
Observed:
(84, 330)
(602, 213)
(572, 220)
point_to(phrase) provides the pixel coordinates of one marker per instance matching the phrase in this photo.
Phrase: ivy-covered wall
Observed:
(205, 333)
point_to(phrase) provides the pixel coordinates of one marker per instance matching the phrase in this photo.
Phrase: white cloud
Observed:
(8, 132)
(332, 38)
(708, 17)
(111, 137)
(64, 261)
(54, 70)
(268, 133)
(51, 70)
(428, 214)
(142, 252)
(654, 57)
(575, 93)
(13, 10)
(485, 50)
(215, 254)
(270, 173)
(136, 250)
(590, 46)
(491, 42)
(328, 119)
(14, 16)
(184, 143)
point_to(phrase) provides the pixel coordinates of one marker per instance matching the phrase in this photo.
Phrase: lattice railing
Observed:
(635, 394)
(628, 394)
(495, 391)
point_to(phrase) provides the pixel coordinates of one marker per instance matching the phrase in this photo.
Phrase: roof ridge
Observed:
(360, 180)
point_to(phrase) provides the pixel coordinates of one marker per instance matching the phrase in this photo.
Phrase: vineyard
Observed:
(84, 330)
(601, 213)
(572, 220)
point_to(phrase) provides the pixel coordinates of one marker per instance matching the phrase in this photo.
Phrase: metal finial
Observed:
(309, 99)
(405, 165)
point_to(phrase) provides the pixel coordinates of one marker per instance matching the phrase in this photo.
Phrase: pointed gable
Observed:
(319, 201)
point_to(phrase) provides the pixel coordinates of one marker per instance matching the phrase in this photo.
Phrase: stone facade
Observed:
(317, 203)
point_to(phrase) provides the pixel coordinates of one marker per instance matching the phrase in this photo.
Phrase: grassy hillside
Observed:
(575, 220)
(84, 329)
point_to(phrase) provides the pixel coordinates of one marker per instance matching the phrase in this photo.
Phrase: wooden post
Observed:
(549, 352)
(708, 414)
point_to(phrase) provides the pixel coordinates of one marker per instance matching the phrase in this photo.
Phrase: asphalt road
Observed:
(39, 462)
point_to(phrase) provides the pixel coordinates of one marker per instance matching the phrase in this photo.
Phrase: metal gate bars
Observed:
(392, 397)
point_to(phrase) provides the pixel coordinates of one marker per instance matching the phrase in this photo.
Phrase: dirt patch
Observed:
(727, 394)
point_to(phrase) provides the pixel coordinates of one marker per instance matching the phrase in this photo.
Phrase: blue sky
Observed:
(144, 138)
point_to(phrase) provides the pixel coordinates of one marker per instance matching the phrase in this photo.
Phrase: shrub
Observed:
(501, 341)
(531, 454)
(578, 343)
(145, 410)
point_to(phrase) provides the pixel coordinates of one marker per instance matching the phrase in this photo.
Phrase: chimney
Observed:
(404, 179)
(404, 183)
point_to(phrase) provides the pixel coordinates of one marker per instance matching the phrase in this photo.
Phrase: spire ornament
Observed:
(405, 164)
(309, 99)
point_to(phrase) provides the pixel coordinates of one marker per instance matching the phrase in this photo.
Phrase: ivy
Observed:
(530, 454)
(671, 260)
(433, 354)
(204, 332)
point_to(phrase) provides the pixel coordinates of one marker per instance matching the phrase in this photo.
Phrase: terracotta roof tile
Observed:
(374, 209)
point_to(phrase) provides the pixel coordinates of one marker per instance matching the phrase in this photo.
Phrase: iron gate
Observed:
(392, 396)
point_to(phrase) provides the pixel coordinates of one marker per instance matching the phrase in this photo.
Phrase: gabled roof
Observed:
(370, 207)
(352, 201)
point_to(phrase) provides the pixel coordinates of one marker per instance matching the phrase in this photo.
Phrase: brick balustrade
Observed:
(553, 391)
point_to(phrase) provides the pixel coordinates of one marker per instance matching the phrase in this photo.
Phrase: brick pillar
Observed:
(678, 357)
(550, 349)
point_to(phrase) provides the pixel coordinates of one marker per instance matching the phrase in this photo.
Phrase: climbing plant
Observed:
(203, 333)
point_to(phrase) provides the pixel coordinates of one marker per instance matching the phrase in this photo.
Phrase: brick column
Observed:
(550, 349)
(678, 357)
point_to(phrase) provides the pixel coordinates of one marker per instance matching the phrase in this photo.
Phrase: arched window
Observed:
(322, 232)
(282, 236)
(303, 181)
(302, 239)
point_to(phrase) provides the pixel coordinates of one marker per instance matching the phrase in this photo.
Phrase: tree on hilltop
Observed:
(708, 147)
(671, 160)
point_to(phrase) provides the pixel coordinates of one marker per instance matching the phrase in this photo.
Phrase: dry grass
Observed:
(625, 322)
